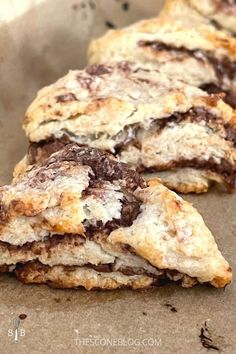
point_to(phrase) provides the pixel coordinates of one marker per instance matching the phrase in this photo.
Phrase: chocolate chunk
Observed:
(129, 212)
(99, 69)
(229, 96)
(223, 67)
(40, 151)
(103, 165)
(103, 268)
(66, 98)
(211, 88)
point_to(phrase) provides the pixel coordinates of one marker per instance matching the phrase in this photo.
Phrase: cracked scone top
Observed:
(80, 218)
(197, 54)
(149, 121)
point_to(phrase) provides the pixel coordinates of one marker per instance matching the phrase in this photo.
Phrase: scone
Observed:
(80, 218)
(222, 13)
(194, 13)
(145, 119)
(199, 55)
(183, 12)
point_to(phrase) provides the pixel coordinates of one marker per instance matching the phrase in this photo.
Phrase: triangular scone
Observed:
(199, 55)
(146, 119)
(80, 218)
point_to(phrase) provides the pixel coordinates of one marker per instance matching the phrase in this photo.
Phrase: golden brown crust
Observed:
(206, 38)
(153, 114)
(117, 219)
(184, 180)
(41, 202)
(74, 277)
(136, 94)
(181, 43)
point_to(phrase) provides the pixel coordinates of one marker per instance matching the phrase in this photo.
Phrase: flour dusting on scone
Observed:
(143, 117)
(81, 218)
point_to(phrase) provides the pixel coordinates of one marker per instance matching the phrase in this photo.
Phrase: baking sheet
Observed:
(39, 42)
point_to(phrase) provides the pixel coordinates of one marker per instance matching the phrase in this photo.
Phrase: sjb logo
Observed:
(16, 332)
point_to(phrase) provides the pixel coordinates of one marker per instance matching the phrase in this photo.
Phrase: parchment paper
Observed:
(39, 42)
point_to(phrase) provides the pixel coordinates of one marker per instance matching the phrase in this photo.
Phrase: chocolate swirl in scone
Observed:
(210, 16)
(224, 68)
(102, 164)
(81, 218)
(143, 117)
(102, 179)
(181, 44)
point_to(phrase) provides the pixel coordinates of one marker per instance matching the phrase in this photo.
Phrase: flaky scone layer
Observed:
(64, 277)
(94, 105)
(58, 196)
(74, 277)
(203, 37)
(184, 180)
(184, 47)
(140, 115)
(82, 208)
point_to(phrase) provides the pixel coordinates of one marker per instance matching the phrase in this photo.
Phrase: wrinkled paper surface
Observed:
(39, 42)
